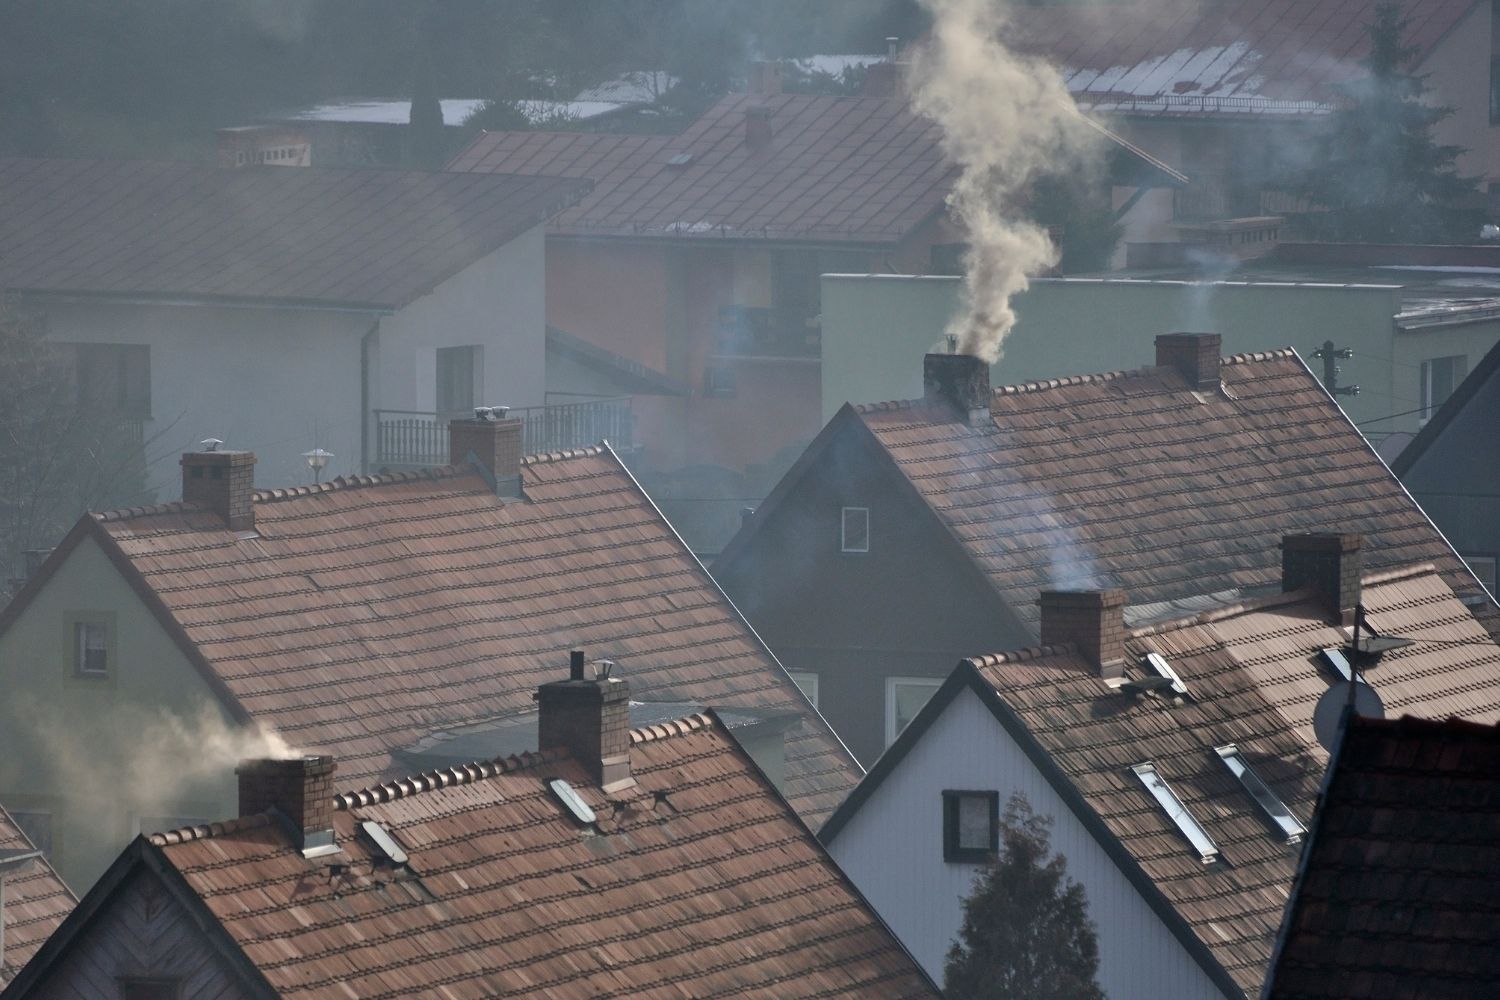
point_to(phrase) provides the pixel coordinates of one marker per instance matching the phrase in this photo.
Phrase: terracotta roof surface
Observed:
(1254, 676)
(696, 882)
(376, 238)
(1398, 898)
(1134, 480)
(367, 613)
(1235, 57)
(35, 899)
(840, 169)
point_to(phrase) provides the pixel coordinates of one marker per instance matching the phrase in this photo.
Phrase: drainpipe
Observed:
(364, 396)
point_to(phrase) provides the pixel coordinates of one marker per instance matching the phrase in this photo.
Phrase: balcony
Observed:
(405, 438)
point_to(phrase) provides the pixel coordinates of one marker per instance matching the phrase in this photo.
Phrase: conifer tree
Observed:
(1026, 931)
(1378, 170)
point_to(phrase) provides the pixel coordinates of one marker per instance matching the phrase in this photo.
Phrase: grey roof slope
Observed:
(373, 238)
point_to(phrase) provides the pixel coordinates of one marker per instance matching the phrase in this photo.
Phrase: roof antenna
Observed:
(952, 339)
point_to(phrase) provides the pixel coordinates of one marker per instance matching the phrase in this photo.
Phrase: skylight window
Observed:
(1336, 659)
(1162, 668)
(572, 801)
(1208, 851)
(1275, 810)
(384, 842)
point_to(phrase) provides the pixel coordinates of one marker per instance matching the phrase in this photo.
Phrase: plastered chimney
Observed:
(492, 440)
(764, 78)
(1195, 355)
(1091, 620)
(300, 790)
(223, 482)
(758, 127)
(1329, 563)
(962, 381)
(590, 718)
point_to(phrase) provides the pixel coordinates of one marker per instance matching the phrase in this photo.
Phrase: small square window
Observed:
(91, 649)
(855, 529)
(808, 683)
(971, 826)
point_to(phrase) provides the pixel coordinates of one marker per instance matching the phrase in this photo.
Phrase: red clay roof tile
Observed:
(36, 901)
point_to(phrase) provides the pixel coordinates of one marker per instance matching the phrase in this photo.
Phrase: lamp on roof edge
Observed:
(316, 460)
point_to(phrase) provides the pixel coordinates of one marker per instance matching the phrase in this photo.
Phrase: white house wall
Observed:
(893, 850)
(98, 753)
(500, 304)
(275, 381)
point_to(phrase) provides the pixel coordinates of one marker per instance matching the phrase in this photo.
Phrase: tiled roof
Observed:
(1398, 894)
(376, 238)
(1254, 676)
(837, 169)
(366, 613)
(1134, 480)
(697, 882)
(34, 903)
(1234, 57)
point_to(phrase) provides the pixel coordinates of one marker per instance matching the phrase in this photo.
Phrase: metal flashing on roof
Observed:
(1208, 851)
(1161, 668)
(1276, 810)
(573, 801)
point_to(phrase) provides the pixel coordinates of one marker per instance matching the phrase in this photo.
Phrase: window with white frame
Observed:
(92, 641)
(1440, 376)
(854, 534)
(808, 682)
(904, 698)
(971, 826)
(1483, 567)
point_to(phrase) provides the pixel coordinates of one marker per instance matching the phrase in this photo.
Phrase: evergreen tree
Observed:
(1378, 170)
(1026, 931)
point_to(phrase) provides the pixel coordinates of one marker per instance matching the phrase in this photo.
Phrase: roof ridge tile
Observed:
(1025, 654)
(126, 513)
(548, 457)
(675, 727)
(444, 777)
(203, 831)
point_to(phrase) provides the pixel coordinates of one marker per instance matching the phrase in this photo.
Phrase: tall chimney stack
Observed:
(1195, 355)
(1092, 620)
(223, 482)
(1330, 564)
(962, 381)
(758, 126)
(492, 440)
(590, 718)
(299, 790)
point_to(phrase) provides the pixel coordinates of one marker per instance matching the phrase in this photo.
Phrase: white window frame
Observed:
(1429, 406)
(844, 513)
(891, 683)
(808, 682)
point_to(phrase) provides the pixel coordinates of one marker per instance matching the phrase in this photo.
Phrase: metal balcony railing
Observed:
(417, 438)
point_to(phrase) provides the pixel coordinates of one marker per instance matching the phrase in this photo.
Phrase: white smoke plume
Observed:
(1006, 119)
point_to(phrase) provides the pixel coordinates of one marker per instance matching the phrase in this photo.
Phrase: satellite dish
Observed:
(1330, 710)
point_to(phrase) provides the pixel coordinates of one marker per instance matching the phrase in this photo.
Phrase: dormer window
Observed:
(855, 529)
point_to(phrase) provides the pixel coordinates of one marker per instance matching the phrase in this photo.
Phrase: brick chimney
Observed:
(882, 79)
(758, 126)
(1092, 620)
(492, 440)
(223, 482)
(299, 790)
(1330, 564)
(764, 78)
(1195, 355)
(590, 718)
(960, 380)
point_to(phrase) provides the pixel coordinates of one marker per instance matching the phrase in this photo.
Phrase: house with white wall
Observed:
(283, 310)
(1179, 757)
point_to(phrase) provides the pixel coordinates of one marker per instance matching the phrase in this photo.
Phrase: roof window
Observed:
(1336, 659)
(1275, 810)
(1208, 851)
(384, 842)
(1159, 666)
(572, 801)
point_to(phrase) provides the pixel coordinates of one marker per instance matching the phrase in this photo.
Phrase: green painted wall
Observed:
(100, 753)
(876, 327)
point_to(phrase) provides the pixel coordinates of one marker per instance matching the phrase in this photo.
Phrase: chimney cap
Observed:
(211, 444)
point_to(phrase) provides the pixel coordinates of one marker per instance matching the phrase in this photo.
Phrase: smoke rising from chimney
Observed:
(1006, 119)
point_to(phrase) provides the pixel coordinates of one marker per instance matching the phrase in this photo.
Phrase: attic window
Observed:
(1208, 851)
(572, 801)
(1336, 659)
(971, 826)
(1275, 810)
(1158, 665)
(855, 529)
